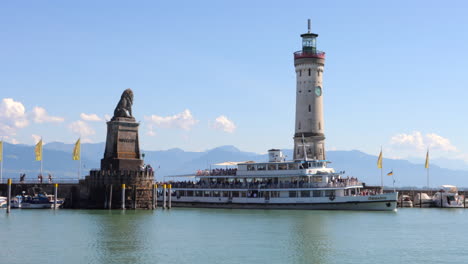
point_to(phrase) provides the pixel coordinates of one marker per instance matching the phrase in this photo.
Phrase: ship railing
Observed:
(292, 185)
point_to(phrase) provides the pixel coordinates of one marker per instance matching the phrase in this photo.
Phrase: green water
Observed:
(234, 236)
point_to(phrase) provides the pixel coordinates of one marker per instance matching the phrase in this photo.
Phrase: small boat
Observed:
(405, 201)
(448, 197)
(423, 200)
(3, 202)
(40, 201)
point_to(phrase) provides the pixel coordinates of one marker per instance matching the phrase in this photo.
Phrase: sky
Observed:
(212, 73)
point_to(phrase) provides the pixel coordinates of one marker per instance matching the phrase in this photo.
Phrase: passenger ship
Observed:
(278, 184)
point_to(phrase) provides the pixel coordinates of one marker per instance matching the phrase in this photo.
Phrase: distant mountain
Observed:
(57, 160)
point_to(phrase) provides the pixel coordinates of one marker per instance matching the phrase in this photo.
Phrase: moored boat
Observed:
(448, 197)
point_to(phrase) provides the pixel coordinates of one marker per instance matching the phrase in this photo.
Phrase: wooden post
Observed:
(164, 196)
(464, 199)
(441, 200)
(134, 197)
(169, 193)
(123, 195)
(420, 199)
(9, 196)
(109, 204)
(55, 195)
(154, 197)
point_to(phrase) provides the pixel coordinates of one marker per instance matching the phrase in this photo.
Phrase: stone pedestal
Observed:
(122, 145)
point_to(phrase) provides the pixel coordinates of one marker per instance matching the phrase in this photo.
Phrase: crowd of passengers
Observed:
(217, 172)
(266, 184)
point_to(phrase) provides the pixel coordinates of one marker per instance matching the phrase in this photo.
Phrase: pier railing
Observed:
(60, 180)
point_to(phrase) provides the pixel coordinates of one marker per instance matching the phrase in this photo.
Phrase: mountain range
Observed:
(58, 161)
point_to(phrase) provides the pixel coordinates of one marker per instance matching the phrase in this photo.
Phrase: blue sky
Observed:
(211, 73)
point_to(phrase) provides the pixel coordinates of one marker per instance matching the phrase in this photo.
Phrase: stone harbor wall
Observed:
(103, 189)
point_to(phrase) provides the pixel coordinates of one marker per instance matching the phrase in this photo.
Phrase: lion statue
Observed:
(124, 107)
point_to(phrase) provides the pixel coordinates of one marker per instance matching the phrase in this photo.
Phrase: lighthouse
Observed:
(309, 136)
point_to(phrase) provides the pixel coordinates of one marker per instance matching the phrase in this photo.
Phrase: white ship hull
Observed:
(383, 202)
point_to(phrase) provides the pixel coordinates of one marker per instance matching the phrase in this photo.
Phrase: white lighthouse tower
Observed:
(309, 134)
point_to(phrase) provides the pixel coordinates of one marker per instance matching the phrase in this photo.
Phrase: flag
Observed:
(390, 173)
(38, 150)
(379, 161)
(77, 150)
(427, 160)
(1, 150)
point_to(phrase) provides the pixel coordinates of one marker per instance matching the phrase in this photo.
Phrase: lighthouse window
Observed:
(299, 126)
(319, 126)
(310, 109)
(309, 72)
(300, 72)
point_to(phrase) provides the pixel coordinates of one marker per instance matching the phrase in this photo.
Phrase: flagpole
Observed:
(79, 169)
(42, 156)
(381, 172)
(1, 164)
(393, 177)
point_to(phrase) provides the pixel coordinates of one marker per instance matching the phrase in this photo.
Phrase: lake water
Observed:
(234, 236)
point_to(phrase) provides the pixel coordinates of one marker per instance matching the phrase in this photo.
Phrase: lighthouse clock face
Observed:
(318, 91)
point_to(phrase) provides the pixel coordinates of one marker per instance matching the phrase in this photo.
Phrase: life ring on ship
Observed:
(332, 196)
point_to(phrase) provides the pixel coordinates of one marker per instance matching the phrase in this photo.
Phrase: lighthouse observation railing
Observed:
(309, 54)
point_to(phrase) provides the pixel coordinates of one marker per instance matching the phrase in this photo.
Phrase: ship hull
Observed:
(384, 202)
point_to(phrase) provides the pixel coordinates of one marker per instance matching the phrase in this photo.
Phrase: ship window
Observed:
(328, 193)
(317, 179)
(309, 72)
(261, 167)
(317, 193)
(235, 194)
(292, 194)
(216, 194)
(310, 109)
(251, 167)
(292, 166)
(305, 193)
(271, 166)
(198, 194)
(282, 166)
(207, 194)
(189, 193)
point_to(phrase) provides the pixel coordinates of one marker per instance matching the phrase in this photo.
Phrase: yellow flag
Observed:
(379, 161)
(38, 150)
(77, 150)
(1, 150)
(427, 160)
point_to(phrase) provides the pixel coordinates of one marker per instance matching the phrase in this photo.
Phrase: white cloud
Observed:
(107, 117)
(223, 123)
(81, 128)
(90, 117)
(39, 115)
(12, 117)
(36, 138)
(184, 120)
(418, 142)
